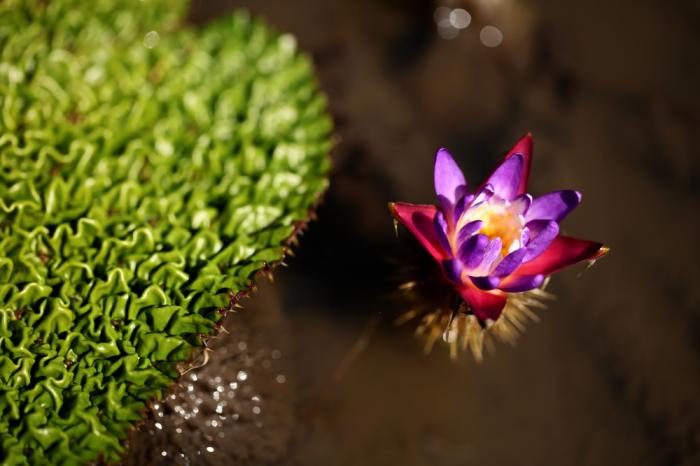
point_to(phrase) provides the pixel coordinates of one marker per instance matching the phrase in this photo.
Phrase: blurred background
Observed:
(316, 373)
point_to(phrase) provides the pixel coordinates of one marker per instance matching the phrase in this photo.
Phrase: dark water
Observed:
(611, 373)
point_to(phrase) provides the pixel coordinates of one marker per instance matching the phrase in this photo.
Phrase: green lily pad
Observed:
(147, 171)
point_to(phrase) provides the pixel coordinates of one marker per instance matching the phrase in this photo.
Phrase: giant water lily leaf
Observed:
(148, 170)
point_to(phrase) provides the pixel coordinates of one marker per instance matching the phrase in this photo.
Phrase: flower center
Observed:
(500, 220)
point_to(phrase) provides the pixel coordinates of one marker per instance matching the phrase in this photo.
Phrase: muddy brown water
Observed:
(611, 373)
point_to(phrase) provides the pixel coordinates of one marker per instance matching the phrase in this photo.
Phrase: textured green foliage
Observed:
(143, 180)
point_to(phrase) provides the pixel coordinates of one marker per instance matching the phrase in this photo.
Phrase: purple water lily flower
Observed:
(498, 239)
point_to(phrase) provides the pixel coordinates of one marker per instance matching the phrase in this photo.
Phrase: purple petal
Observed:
(450, 185)
(461, 205)
(541, 233)
(522, 283)
(483, 195)
(468, 230)
(524, 148)
(510, 263)
(524, 236)
(471, 252)
(521, 204)
(485, 283)
(453, 270)
(441, 230)
(493, 252)
(553, 206)
(507, 177)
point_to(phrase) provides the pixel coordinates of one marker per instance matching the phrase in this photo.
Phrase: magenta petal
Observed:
(485, 283)
(553, 206)
(471, 252)
(562, 252)
(450, 185)
(510, 263)
(541, 233)
(453, 270)
(519, 283)
(486, 305)
(506, 179)
(420, 220)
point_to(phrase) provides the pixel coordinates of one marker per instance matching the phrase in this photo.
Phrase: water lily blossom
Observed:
(497, 239)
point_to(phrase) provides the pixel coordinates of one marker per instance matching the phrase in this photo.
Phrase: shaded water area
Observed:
(315, 373)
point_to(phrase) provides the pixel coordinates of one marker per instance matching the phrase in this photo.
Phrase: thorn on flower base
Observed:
(495, 247)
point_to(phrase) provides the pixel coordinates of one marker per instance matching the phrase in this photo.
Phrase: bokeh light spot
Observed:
(491, 36)
(460, 18)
